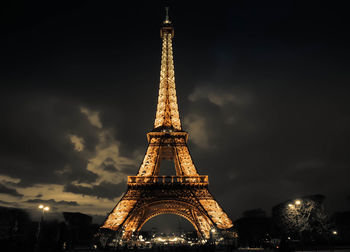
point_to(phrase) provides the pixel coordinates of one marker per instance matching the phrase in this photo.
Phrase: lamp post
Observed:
(44, 209)
(296, 207)
(332, 239)
(213, 235)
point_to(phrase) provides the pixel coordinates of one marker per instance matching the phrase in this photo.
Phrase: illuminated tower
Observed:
(185, 194)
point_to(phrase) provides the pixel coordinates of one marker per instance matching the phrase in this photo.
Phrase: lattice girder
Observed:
(150, 194)
(170, 146)
(181, 206)
(169, 206)
(167, 114)
(193, 202)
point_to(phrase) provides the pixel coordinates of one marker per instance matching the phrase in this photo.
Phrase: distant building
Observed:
(79, 229)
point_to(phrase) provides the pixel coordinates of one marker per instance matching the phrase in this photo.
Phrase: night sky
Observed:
(262, 90)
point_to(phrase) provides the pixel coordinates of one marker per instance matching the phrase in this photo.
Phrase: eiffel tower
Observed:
(149, 194)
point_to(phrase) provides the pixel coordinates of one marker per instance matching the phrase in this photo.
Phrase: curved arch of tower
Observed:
(149, 194)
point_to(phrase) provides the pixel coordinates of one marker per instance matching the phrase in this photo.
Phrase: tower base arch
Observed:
(168, 195)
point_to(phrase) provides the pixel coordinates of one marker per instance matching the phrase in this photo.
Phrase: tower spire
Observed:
(167, 21)
(167, 115)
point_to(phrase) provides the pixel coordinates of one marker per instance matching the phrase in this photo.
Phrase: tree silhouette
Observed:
(305, 214)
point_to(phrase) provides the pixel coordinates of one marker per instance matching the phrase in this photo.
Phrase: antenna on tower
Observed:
(167, 21)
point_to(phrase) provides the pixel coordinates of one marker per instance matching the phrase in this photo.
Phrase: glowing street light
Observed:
(334, 232)
(44, 209)
(296, 210)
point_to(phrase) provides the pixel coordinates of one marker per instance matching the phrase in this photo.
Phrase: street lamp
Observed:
(296, 209)
(213, 235)
(44, 209)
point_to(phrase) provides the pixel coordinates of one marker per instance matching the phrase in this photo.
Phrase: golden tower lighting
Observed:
(185, 194)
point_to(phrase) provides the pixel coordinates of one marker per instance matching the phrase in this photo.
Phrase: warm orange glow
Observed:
(185, 194)
(167, 109)
(183, 180)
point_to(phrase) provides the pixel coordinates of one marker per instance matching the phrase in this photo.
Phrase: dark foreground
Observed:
(210, 249)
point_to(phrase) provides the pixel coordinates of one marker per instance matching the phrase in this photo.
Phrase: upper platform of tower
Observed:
(167, 115)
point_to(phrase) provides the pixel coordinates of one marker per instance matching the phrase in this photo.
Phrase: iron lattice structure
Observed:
(149, 194)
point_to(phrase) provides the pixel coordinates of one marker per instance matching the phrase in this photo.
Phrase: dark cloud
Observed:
(53, 202)
(103, 190)
(279, 146)
(41, 152)
(5, 202)
(10, 191)
(112, 167)
(109, 167)
(130, 169)
(261, 88)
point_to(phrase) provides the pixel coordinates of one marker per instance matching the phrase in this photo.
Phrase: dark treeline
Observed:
(294, 224)
(19, 233)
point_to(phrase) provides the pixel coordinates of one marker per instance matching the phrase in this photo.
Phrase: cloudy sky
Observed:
(262, 89)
